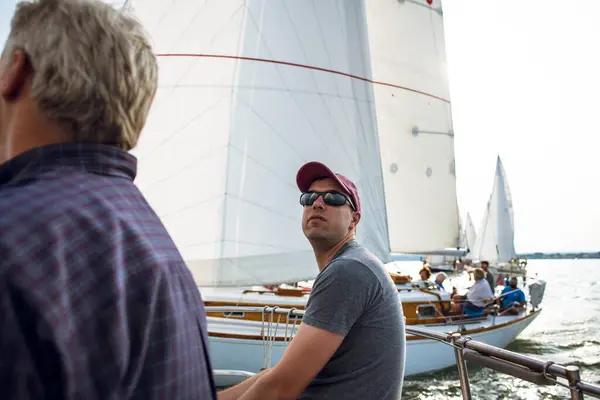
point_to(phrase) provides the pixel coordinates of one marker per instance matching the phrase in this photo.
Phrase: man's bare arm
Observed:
(304, 358)
(235, 392)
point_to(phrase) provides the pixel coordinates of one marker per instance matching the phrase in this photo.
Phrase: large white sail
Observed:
(469, 236)
(248, 92)
(414, 121)
(495, 240)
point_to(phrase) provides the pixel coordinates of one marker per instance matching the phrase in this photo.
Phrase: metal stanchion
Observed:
(574, 378)
(465, 388)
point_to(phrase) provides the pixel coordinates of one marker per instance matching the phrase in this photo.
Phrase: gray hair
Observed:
(95, 74)
(441, 275)
(478, 273)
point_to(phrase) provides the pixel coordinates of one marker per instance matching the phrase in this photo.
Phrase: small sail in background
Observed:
(495, 241)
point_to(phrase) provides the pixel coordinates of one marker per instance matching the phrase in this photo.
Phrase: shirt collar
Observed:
(68, 157)
(350, 244)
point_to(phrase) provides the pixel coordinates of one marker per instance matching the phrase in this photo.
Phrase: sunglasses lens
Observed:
(334, 199)
(307, 199)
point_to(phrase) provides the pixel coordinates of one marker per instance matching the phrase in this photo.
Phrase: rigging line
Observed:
(292, 64)
(318, 91)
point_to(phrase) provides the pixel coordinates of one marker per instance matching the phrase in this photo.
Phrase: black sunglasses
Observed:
(331, 198)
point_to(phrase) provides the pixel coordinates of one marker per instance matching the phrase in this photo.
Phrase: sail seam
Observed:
(292, 64)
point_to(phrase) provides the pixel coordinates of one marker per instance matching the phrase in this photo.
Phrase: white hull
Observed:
(441, 267)
(510, 269)
(423, 356)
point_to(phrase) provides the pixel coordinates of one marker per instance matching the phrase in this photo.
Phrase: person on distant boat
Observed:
(351, 343)
(512, 299)
(477, 298)
(439, 280)
(502, 281)
(425, 273)
(458, 265)
(96, 301)
(489, 277)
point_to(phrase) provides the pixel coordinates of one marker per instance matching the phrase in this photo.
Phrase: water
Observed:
(567, 331)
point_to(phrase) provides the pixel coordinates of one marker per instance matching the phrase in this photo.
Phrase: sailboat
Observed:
(469, 238)
(251, 90)
(469, 235)
(454, 264)
(495, 242)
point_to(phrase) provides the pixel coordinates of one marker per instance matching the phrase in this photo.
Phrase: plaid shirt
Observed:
(95, 300)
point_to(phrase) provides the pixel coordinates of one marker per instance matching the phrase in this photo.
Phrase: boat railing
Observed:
(233, 372)
(538, 372)
(527, 368)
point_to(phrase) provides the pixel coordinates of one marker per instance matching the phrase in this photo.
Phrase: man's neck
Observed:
(30, 133)
(324, 256)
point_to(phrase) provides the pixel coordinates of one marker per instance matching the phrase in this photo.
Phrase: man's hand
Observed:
(235, 392)
(304, 358)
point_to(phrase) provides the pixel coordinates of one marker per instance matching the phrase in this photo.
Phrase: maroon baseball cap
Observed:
(314, 170)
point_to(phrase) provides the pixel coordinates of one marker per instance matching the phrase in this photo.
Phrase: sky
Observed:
(524, 82)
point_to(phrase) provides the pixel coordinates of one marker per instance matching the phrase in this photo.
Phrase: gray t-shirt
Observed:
(355, 296)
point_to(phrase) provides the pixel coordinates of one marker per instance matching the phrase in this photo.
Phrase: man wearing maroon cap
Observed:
(351, 342)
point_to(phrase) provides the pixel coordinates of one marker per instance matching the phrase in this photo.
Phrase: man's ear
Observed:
(355, 218)
(15, 73)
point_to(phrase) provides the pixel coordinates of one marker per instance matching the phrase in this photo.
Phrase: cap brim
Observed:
(312, 171)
